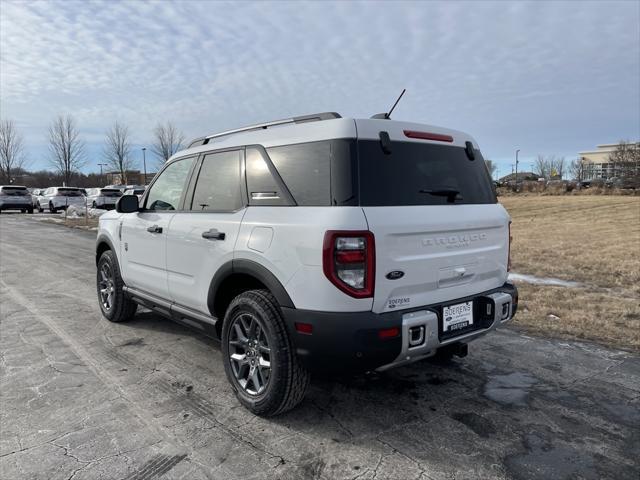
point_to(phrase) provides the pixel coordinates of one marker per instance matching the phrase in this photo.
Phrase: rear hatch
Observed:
(440, 234)
(110, 194)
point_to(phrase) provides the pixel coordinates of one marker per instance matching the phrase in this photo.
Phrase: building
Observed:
(134, 177)
(597, 163)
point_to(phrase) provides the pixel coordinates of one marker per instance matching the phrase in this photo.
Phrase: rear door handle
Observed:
(154, 229)
(213, 234)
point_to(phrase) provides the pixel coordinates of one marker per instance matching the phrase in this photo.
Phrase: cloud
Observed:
(530, 74)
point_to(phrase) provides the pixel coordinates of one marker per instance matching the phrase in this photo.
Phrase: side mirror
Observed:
(127, 204)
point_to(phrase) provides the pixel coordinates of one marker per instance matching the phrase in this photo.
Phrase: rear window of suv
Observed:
(421, 174)
(69, 192)
(17, 191)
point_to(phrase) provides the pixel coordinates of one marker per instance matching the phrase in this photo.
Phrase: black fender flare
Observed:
(105, 239)
(254, 269)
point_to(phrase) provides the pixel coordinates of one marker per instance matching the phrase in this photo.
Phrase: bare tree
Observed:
(557, 167)
(117, 150)
(578, 170)
(541, 166)
(491, 167)
(626, 159)
(167, 141)
(12, 156)
(65, 147)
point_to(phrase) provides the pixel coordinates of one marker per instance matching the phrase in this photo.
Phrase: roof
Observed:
(288, 132)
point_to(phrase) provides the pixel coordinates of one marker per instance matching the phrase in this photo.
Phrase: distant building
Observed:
(597, 163)
(134, 177)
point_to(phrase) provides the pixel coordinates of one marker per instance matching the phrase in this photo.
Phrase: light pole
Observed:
(102, 165)
(144, 164)
(517, 151)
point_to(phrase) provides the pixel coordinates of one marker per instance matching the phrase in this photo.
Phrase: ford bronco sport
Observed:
(315, 243)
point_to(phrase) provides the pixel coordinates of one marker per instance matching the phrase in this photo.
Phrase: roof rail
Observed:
(314, 117)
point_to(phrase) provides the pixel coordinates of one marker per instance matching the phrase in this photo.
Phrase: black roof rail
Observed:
(314, 117)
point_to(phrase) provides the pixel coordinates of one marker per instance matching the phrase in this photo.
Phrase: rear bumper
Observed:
(350, 342)
(13, 205)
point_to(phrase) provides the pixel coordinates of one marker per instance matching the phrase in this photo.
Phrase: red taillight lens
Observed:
(509, 257)
(438, 137)
(348, 261)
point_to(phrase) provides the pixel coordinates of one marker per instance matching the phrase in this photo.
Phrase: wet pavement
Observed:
(83, 398)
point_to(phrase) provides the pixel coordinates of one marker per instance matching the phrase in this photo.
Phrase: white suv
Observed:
(317, 242)
(59, 198)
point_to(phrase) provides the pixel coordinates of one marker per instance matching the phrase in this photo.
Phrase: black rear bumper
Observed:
(350, 341)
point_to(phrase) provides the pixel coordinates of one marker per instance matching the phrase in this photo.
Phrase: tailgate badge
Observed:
(395, 275)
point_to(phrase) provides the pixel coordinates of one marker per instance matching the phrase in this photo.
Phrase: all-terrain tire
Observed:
(121, 307)
(288, 380)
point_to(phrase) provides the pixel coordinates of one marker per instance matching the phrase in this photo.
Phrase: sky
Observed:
(551, 78)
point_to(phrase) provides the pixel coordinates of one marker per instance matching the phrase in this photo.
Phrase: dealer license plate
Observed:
(457, 317)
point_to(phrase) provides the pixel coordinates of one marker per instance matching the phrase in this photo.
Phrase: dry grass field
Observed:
(594, 240)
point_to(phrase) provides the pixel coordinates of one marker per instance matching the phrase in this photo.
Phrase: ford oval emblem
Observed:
(395, 275)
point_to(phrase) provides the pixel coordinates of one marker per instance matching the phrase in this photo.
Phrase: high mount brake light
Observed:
(348, 261)
(437, 137)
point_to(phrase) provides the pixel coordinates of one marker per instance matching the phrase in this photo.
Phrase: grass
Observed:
(594, 240)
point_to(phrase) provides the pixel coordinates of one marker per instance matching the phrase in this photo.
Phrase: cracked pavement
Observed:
(81, 398)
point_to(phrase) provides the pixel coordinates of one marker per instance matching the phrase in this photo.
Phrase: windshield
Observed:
(15, 191)
(69, 192)
(421, 174)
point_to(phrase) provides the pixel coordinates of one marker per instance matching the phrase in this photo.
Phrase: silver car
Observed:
(104, 198)
(14, 197)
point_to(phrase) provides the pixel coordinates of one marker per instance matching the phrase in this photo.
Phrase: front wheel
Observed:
(114, 304)
(259, 361)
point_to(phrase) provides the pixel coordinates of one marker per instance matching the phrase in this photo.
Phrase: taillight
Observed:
(509, 257)
(348, 261)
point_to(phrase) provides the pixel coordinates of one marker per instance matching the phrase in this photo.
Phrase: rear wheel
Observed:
(52, 209)
(259, 360)
(114, 304)
(30, 210)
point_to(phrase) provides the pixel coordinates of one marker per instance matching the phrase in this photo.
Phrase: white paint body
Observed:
(446, 252)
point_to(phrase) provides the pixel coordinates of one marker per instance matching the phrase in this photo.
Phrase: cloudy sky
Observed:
(545, 77)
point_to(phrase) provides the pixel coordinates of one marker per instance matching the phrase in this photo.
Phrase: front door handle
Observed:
(213, 234)
(154, 229)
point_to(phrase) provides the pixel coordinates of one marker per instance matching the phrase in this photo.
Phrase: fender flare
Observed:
(254, 269)
(103, 238)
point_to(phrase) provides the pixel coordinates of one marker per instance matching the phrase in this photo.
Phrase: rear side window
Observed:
(421, 174)
(262, 186)
(218, 185)
(167, 190)
(305, 169)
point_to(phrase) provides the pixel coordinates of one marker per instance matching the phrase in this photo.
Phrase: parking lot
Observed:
(83, 398)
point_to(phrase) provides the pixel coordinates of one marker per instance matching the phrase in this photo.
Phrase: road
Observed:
(83, 398)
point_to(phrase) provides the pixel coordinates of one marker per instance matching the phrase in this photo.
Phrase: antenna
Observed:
(387, 116)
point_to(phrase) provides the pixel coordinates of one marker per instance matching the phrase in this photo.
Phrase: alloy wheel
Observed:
(249, 353)
(106, 286)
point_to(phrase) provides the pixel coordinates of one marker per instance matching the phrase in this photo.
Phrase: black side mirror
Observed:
(127, 204)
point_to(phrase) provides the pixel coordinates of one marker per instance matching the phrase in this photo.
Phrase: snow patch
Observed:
(554, 282)
(77, 212)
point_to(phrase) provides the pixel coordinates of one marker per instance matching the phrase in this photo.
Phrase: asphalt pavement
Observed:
(82, 398)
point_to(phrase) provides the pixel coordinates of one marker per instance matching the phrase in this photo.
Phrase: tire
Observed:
(115, 305)
(51, 209)
(40, 209)
(94, 205)
(285, 383)
(22, 210)
(30, 210)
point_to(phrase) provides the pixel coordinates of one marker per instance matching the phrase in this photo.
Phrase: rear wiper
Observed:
(450, 193)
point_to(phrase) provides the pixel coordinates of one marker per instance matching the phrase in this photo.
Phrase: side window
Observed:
(166, 191)
(218, 185)
(262, 187)
(305, 169)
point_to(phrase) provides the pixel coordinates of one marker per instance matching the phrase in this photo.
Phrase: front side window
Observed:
(218, 185)
(166, 191)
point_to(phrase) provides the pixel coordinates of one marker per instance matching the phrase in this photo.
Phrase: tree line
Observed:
(67, 155)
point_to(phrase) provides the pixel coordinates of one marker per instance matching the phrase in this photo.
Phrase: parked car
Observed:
(59, 198)
(137, 191)
(35, 193)
(14, 197)
(104, 198)
(327, 244)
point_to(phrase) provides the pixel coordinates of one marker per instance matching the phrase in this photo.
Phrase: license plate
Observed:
(456, 317)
